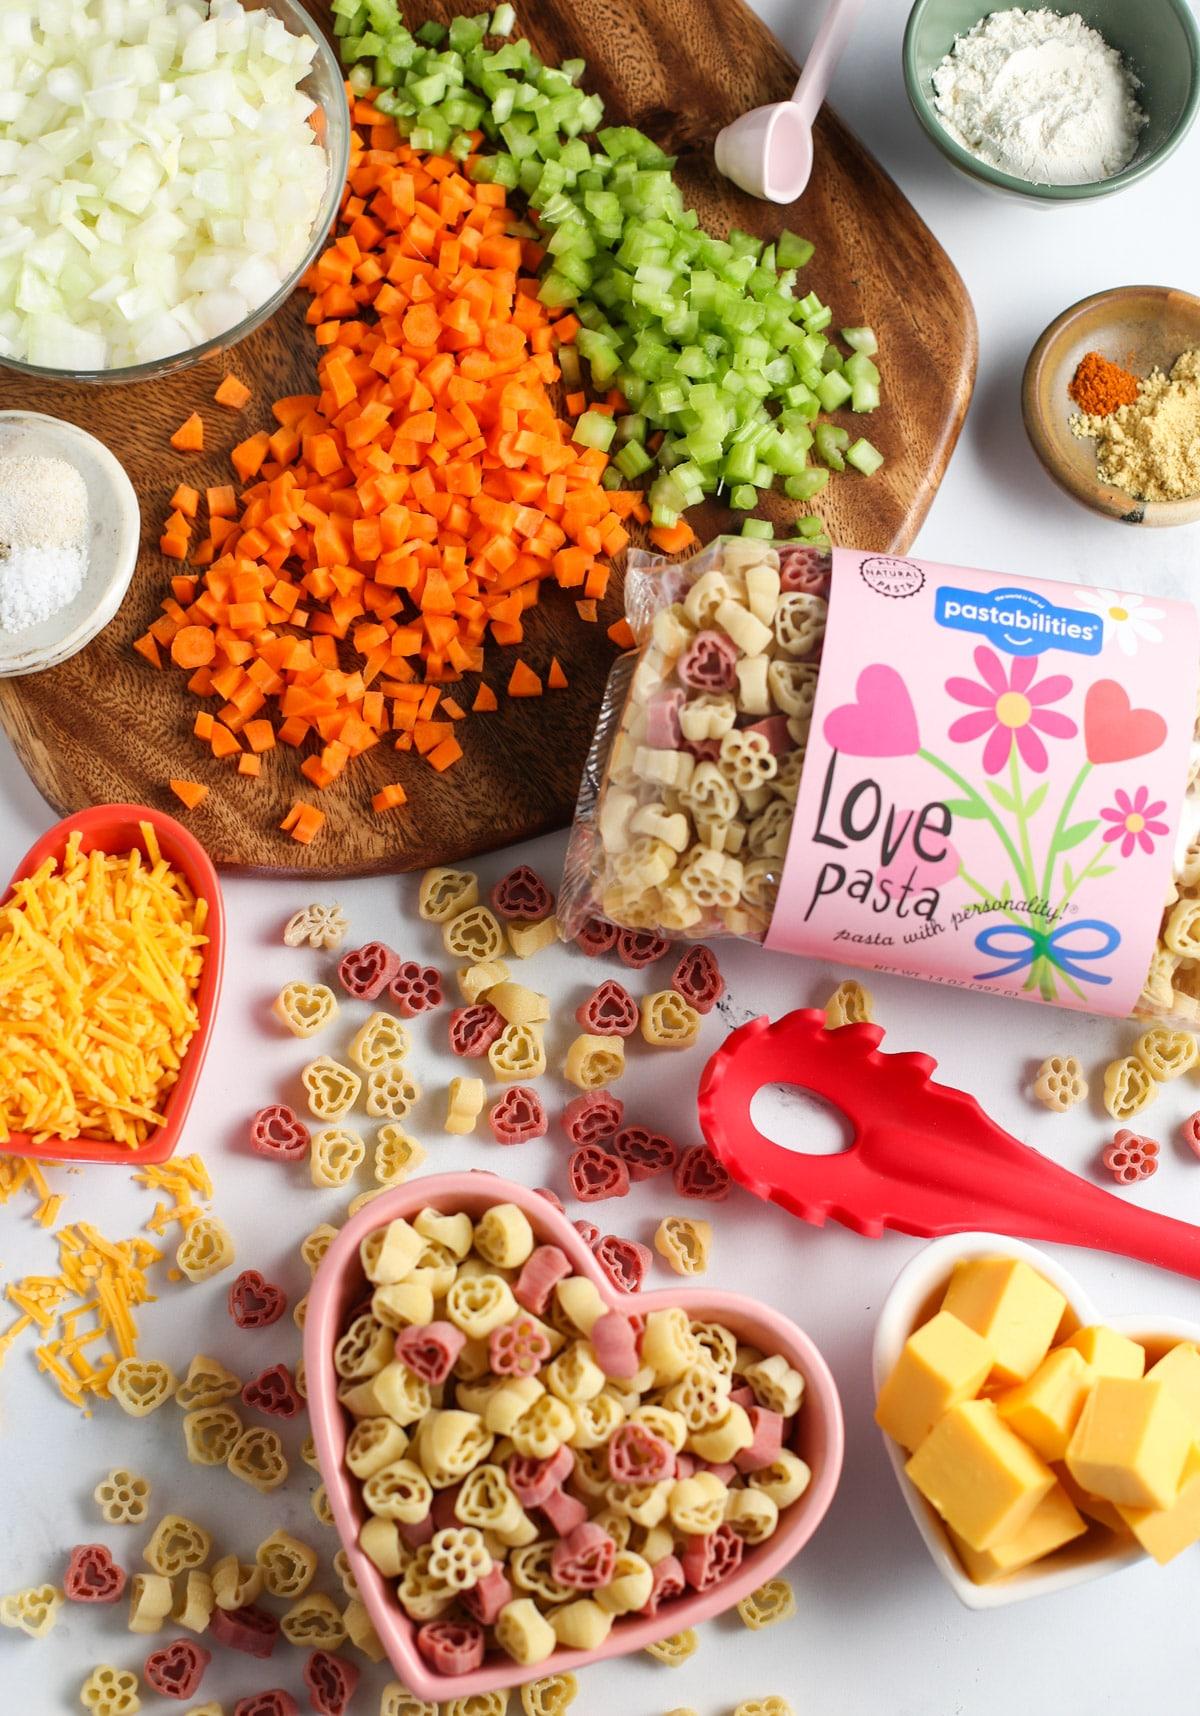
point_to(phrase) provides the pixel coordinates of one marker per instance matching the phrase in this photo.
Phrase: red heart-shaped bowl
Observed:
(340, 1283)
(115, 828)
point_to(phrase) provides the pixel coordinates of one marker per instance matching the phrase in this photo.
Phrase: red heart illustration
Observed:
(1114, 732)
(177, 1669)
(255, 1302)
(881, 722)
(273, 1392)
(92, 1575)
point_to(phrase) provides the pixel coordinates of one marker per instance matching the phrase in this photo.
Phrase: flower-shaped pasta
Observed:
(109, 1691)
(140, 1386)
(322, 927)
(519, 1348)
(391, 1092)
(416, 988)
(332, 1089)
(381, 1041)
(459, 1557)
(1059, 1083)
(1131, 1157)
(305, 1008)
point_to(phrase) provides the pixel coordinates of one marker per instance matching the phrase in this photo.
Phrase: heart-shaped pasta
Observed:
(475, 934)
(446, 894)
(668, 1022)
(140, 1386)
(205, 1250)
(332, 1089)
(207, 1383)
(288, 1565)
(210, 1434)
(176, 1545)
(305, 1008)
(335, 1154)
(257, 1457)
(382, 1041)
(518, 1054)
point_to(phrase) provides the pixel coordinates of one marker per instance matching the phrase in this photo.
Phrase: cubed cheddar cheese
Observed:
(1045, 1408)
(979, 1475)
(1166, 1532)
(1180, 1371)
(942, 1363)
(1106, 1352)
(1011, 1306)
(1103, 1512)
(1054, 1522)
(1131, 1443)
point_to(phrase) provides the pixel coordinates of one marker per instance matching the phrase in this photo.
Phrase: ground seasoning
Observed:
(1098, 387)
(1150, 448)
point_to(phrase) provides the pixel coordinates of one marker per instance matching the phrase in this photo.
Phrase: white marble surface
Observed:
(876, 1629)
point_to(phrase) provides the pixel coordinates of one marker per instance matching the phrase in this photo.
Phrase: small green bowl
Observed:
(1158, 40)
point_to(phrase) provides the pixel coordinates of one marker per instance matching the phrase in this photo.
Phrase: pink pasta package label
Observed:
(993, 782)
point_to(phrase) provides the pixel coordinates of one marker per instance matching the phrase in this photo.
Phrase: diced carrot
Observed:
(189, 437)
(621, 633)
(249, 763)
(524, 682)
(673, 538)
(222, 501)
(233, 393)
(443, 755)
(485, 701)
(303, 821)
(223, 742)
(192, 647)
(186, 500)
(556, 679)
(587, 612)
(389, 797)
(189, 793)
(260, 735)
(147, 646)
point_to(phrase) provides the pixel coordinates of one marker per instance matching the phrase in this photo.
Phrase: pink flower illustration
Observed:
(1134, 822)
(1010, 708)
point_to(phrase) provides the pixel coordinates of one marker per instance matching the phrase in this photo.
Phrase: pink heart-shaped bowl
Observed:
(340, 1284)
(115, 828)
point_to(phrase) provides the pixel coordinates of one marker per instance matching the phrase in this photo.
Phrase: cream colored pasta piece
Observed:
(685, 1243)
(477, 1704)
(753, 1514)
(139, 1386)
(397, 1155)
(194, 1601)
(668, 1022)
(205, 1250)
(668, 1345)
(675, 1649)
(448, 1444)
(581, 1625)
(236, 1583)
(518, 1054)
(390, 1254)
(458, 1557)
(150, 1602)
(465, 1098)
(683, 1710)
(335, 1153)
(402, 1395)
(697, 1504)
(361, 1199)
(474, 934)
(33, 1611)
(300, 1312)
(331, 1088)
(301, 1379)
(209, 1434)
(591, 1476)
(176, 1545)
(110, 1691)
(517, 1005)
(444, 893)
(1059, 1083)
(314, 1621)
(524, 1633)
(645, 1504)
(776, 1384)
(322, 927)
(655, 1541)
(258, 1459)
(657, 823)
(363, 1350)
(391, 1092)
(542, 1430)
(360, 1629)
(400, 1492)
(663, 1422)
(398, 1701)
(551, 1696)
(784, 1480)
(503, 1236)
(452, 1229)
(477, 1304)
(476, 980)
(1128, 1087)
(211, 1708)
(207, 1383)
(314, 1245)
(850, 1004)
(723, 1440)
(305, 1008)
(341, 1566)
(402, 1304)
(581, 1302)
(629, 1588)
(594, 1062)
(774, 1601)
(574, 1376)
(373, 1444)
(421, 1596)
(744, 627)
(528, 939)
(595, 1420)
(288, 1564)
(321, 1506)
(717, 1344)
(381, 1042)
(700, 1395)
(308, 1453)
(380, 1541)
(1166, 1054)
(436, 1269)
(772, 1705)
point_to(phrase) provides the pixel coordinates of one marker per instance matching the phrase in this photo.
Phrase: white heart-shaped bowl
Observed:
(915, 1295)
(340, 1283)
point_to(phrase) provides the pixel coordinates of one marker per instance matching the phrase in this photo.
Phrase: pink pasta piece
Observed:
(531, 1481)
(639, 948)
(274, 1392)
(594, 1174)
(474, 1029)
(643, 1152)
(667, 1582)
(768, 1440)
(638, 1455)
(743, 1395)
(697, 977)
(698, 1174)
(588, 1232)
(277, 1133)
(1190, 1131)
(704, 750)
(663, 732)
(430, 1350)
(366, 971)
(686, 1466)
(723, 1470)
(275, 1702)
(592, 1117)
(551, 1197)
(415, 989)
(331, 1681)
(615, 1342)
(804, 568)
(176, 1670)
(584, 1559)
(708, 663)
(416, 1532)
(624, 1261)
(564, 1512)
(452, 1647)
(541, 1272)
(1131, 1156)
(522, 897)
(609, 1011)
(92, 1575)
(519, 1116)
(597, 936)
(708, 1560)
(248, 1629)
(488, 1596)
(443, 1509)
(518, 1348)
(774, 729)
(254, 1302)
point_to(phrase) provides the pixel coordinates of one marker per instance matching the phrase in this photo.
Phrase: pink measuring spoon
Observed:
(769, 151)
(925, 1158)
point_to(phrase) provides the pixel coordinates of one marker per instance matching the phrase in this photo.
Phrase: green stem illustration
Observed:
(1024, 877)
(1064, 818)
(1014, 775)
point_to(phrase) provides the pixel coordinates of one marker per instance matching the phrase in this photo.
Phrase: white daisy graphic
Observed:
(1127, 618)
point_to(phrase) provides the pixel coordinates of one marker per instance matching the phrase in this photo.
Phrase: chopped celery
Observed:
(761, 527)
(864, 457)
(792, 251)
(805, 484)
(504, 20)
(830, 441)
(595, 429)
(632, 460)
(833, 390)
(743, 497)
(861, 340)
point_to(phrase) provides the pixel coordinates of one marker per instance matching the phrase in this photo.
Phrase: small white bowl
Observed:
(913, 1298)
(114, 529)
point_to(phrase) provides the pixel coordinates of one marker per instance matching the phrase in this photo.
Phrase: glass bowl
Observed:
(332, 121)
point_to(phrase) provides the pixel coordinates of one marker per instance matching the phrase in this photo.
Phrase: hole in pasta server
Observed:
(799, 1120)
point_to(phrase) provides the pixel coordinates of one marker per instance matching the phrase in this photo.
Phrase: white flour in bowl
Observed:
(1041, 97)
(43, 539)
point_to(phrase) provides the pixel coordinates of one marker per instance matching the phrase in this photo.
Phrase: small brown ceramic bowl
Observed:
(1141, 328)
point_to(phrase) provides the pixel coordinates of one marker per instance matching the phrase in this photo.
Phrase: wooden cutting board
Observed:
(105, 726)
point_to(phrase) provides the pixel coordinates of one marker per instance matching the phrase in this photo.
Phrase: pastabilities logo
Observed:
(1019, 621)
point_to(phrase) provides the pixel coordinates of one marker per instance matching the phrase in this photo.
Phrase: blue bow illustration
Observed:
(1021, 945)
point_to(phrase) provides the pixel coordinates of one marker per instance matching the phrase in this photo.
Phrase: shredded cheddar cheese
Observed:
(99, 963)
(184, 1181)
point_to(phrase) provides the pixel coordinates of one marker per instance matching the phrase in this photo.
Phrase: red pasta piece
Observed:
(177, 1669)
(643, 1152)
(443, 1509)
(541, 1272)
(667, 1582)
(686, 1466)
(802, 567)
(92, 1575)
(708, 1560)
(474, 1029)
(614, 1340)
(639, 948)
(594, 1174)
(697, 977)
(522, 897)
(277, 1133)
(551, 1197)
(723, 1470)
(698, 1174)
(274, 1392)
(417, 1531)
(249, 1629)
(624, 1261)
(255, 1302)
(563, 1511)
(638, 1455)
(663, 732)
(609, 1011)
(531, 1481)
(366, 971)
(452, 1647)
(584, 1559)
(484, 1601)
(743, 1395)
(768, 1440)
(518, 1348)
(704, 750)
(331, 1681)
(708, 663)
(1190, 1131)
(597, 936)
(587, 1231)
(592, 1117)
(275, 1702)
(416, 989)
(774, 729)
(430, 1350)
(519, 1116)
(1131, 1156)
